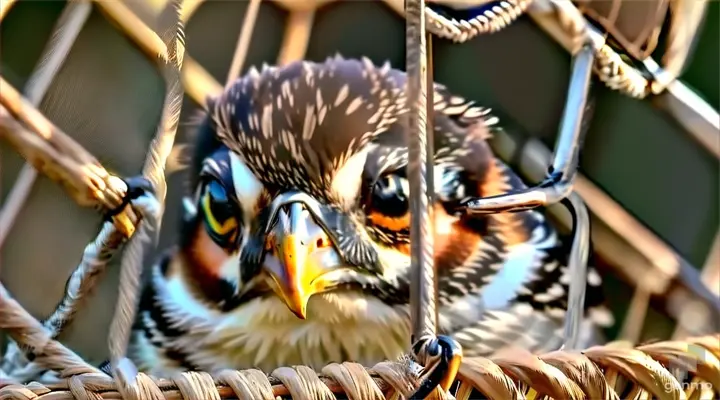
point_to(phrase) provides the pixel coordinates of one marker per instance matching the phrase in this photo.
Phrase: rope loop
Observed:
(355, 381)
(303, 383)
(491, 18)
(197, 386)
(135, 187)
(249, 384)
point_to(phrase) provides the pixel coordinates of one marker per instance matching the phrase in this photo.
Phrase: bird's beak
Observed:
(300, 248)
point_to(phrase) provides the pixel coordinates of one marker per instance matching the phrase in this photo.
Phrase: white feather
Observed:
(247, 186)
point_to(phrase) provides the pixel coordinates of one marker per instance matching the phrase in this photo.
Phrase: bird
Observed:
(294, 240)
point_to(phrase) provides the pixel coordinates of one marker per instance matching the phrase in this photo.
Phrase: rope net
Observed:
(689, 368)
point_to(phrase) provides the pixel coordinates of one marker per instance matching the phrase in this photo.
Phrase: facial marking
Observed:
(248, 188)
(348, 178)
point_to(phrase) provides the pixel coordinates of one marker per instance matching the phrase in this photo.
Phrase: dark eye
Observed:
(389, 203)
(220, 214)
(390, 195)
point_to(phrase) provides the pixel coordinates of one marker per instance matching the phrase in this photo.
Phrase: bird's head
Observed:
(302, 189)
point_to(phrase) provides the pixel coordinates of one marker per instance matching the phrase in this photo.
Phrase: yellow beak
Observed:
(295, 282)
(298, 274)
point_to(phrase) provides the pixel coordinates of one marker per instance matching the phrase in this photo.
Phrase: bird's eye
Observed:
(389, 203)
(220, 214)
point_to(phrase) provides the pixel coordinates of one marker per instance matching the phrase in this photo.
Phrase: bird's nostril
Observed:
(322, 242)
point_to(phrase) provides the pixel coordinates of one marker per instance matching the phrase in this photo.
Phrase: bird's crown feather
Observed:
(297, 125)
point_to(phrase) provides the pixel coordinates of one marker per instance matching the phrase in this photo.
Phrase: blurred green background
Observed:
(108, 96)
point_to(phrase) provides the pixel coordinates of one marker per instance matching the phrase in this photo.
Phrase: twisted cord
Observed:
(616, 74)
(65, 32)
(611, 69)
(499, 16)
(65, 161)
(603, 372)
(423, 314)
(609, 65)
(37, 340)
(130, 384)
(93, 264)
(54, 153)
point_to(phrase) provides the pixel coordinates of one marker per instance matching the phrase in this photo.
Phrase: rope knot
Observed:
(440, 357)
(123, 216)
(135, 187)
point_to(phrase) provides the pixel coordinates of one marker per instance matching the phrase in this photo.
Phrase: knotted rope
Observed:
(610, 68)
(603, 372)
(154, 171)
(54, 153)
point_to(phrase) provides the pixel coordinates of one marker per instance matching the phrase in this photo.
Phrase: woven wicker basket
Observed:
(687, 368)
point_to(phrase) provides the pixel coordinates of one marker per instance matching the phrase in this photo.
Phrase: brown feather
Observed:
(392, 223)
(200, 263)
(455, 246)
(495, 182)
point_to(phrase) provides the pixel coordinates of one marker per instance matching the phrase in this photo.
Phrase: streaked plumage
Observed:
(327, 139)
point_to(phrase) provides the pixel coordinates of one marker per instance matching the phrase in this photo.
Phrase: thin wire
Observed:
(577, 266)
(573, 127)
(422, 294)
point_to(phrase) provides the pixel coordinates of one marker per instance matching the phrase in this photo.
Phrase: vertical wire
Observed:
(422, 293)
(430, 172)
(577, 265)
(243, 42)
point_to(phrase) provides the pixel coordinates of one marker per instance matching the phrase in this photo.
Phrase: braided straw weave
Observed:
(663, 370)
(603, 372)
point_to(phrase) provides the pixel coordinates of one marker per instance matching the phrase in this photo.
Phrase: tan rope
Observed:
(64, 33)
(500, 15)
(58, 146)
(32, 335)
(5, 6)
(135, 28)
(66, 30)
(566, 23)
(243, 42)
(93, 264)
(602, 372)
(59, 157)
(296, 37)
(618, 75)
(685, 27)
(44, 143)
(98, 253)
(154, 170)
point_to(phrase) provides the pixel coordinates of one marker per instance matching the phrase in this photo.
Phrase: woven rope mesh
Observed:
(108, 97)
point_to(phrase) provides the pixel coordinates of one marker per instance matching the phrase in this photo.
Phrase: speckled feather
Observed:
(501, 279)
(297, 126)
